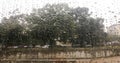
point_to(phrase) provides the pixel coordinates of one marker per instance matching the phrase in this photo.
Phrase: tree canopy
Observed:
(56, 22)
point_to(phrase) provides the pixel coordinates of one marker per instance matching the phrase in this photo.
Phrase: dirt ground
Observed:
(98, 60)
(101, 60)
(108, 60)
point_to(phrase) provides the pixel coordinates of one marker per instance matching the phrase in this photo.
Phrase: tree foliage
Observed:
(56, 22)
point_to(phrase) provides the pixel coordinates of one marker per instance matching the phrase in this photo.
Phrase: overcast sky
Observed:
(107, 9)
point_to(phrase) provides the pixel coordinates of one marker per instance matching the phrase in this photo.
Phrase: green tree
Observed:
(56, 22)
(14, 32)
(89, 31)
(52, 23)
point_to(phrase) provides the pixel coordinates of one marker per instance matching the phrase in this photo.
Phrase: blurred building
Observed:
(114, 29)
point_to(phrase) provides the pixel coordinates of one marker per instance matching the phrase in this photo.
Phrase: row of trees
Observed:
(56, 22)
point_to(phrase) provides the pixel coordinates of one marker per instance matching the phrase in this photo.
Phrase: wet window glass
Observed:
(59, 31)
